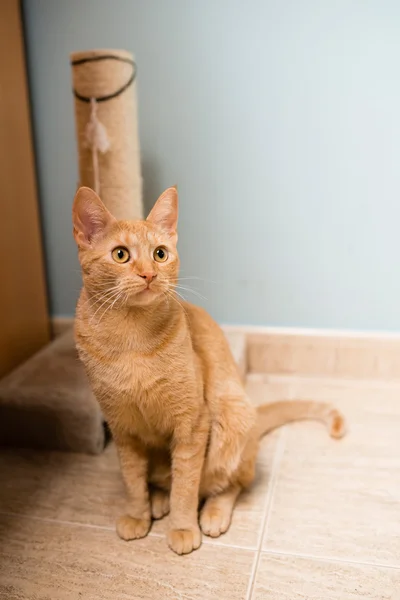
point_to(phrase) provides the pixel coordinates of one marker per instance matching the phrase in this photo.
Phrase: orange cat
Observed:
(165, 378)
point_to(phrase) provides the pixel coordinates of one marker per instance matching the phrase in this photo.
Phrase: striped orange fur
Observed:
(164, 376)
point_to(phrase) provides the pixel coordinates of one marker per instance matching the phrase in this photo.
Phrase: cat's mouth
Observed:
(147, 293)
(149, 287)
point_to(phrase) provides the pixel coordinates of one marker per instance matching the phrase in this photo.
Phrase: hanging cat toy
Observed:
(96, 136)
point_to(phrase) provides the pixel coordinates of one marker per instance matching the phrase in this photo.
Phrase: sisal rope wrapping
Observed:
(107, 131)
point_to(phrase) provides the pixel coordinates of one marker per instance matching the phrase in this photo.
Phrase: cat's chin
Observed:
(144, 298)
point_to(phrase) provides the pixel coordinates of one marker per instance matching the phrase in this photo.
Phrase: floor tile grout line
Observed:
(212, 542)
(209, 542)
(252, 578)
(151, 534)
(272, 498)
(280, 447)
(55, 521)
(330, 559)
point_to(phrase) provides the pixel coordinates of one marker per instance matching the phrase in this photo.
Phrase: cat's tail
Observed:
(276, 414)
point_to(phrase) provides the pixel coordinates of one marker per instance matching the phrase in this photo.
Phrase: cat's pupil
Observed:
(160, 253)
(120, 254)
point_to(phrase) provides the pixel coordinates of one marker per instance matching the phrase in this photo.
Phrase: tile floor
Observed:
(322, 521)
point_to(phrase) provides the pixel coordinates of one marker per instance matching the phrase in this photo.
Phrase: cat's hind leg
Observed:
(159, 500)
(160, 482)
(216, 514)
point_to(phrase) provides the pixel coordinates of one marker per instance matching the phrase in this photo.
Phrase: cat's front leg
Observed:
(188, 452)
(134, 463)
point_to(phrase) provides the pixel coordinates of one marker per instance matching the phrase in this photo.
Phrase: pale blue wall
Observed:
(280, 121)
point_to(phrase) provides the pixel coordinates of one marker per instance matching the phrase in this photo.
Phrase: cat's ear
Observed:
(89, 216)
(164, 213)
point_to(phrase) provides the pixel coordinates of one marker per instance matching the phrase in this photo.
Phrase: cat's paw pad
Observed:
(129, 528)
(159, 504)
(183, 541)
(214, 521)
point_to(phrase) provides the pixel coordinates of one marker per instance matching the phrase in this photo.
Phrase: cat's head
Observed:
(134, 263)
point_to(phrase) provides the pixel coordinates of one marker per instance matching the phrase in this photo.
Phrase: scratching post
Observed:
(104, 85)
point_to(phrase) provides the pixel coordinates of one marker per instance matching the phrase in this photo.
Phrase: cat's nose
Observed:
(148, 276)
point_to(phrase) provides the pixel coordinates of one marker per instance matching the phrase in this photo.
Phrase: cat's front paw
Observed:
(129, 528)
(183, 541)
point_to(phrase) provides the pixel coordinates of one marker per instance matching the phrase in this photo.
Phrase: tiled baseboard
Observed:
(314, 353)
(311, 353)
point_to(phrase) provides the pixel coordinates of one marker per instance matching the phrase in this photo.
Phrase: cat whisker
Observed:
(109, 299)
(195, 292)
(180, 296)
(171, 295)
(100, 296)
(106, 302)
(99, 293)
(110, 307)
(126, 297)
(198, 279)
(172, 289)
(187, 289)
(102, 292)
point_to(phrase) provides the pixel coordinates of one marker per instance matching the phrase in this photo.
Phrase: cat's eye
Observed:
(160, 254)
(120, 254)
